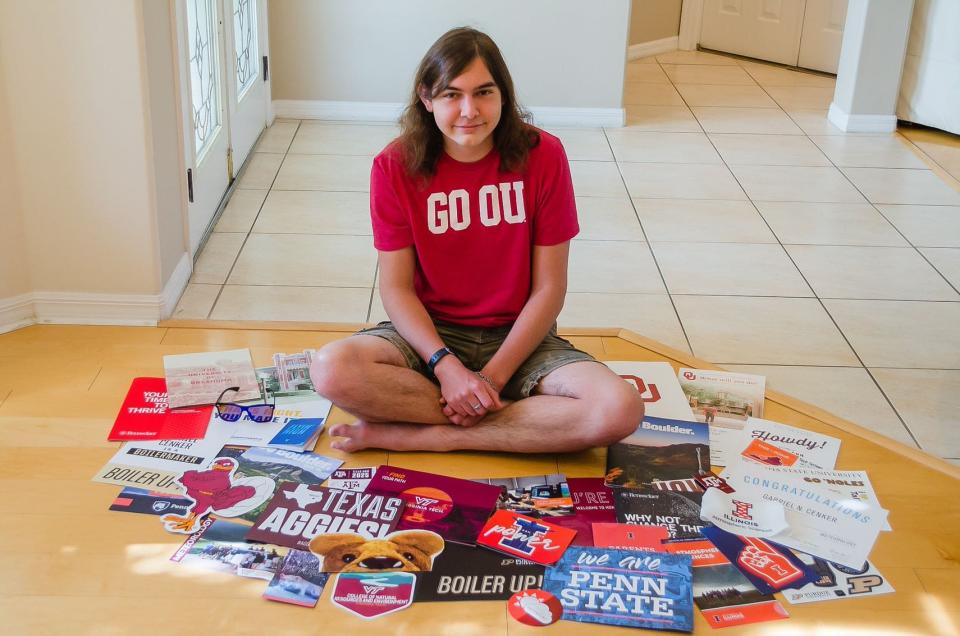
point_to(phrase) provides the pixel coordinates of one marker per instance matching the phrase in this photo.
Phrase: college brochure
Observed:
(157, 465)
(465, 573)
(299, 512)
(659, 450)
(539, 496)
(145, 415)
(279, 466)
(219, 546)
(200, 378)
(724, 400)
(623, 587)
(296, 424)
(456, 509)
(298, 580)
(150, 502)
(723, 594)
(658, 387)
(678, 512)
(592, 498)
(837, 582)
(525, 537)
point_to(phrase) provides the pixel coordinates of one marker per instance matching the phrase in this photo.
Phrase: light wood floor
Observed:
(71, 566)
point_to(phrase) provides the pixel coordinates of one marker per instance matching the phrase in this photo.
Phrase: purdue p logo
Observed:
(863, 584)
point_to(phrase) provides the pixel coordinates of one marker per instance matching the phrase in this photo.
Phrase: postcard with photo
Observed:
(466, 573)
(298, 580)
(658, 387)
(724, 400)
(145, 415)
(199, 378)
(537, 496)
(156, 465)
(219, 546)
(659, 450)
(456, 509)
(280, 466)
(628, 588)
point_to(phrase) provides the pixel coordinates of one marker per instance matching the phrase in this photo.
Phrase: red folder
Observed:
(145, 415)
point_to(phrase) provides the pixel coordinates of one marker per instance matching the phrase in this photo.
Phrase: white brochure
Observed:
(724, 400)
(837, 582)
(156, 465)
(658, 387)
(850, 483)
(823, 523)
(815, 449)
(753, 518)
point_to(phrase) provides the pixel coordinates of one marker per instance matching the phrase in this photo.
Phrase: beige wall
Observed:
(79, 112)
(13, 271)
(169, 197)
(561, 53)
(654, 20)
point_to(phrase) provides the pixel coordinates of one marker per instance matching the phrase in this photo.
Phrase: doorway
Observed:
(225, 93)
(803, 33)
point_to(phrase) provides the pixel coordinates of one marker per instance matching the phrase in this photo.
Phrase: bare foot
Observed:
(387, 435)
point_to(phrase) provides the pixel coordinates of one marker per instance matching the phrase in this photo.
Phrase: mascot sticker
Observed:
(215, 490)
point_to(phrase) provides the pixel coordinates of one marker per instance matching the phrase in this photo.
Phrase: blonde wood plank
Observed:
(72, 566)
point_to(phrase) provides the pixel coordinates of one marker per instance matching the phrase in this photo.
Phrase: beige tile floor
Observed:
(729, 219)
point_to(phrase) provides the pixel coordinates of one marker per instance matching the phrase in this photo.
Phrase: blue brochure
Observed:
(651, 590)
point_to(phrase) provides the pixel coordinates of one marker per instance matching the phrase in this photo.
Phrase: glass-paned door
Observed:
(223, 98)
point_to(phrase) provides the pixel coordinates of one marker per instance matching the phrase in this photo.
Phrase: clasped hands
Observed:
(465, 397)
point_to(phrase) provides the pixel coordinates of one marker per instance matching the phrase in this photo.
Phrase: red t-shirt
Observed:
(473, 228)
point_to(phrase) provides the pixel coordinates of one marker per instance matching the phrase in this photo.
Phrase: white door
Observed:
(223, 100)
(822, 35)
(764, 29)
(246, 88)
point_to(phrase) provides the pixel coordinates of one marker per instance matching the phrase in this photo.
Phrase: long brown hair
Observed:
(421, 139)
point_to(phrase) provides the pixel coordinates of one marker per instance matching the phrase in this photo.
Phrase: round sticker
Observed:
(534, 607)
(425, 504)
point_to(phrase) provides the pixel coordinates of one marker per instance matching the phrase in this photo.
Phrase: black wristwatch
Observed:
(435, 358)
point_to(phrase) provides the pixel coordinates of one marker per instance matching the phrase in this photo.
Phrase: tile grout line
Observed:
(643, 231)
(833, 319)
(807, 282)
(250, 229)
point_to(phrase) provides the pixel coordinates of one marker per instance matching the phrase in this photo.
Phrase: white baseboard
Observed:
(336, 111)
(175, 285)
(861, 123)
(390, 112)
(653, 47)
(72, 308)
(16, 312)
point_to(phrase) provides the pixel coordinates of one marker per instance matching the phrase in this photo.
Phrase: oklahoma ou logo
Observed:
(452, 211)
(689, 375)
(648, 392)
